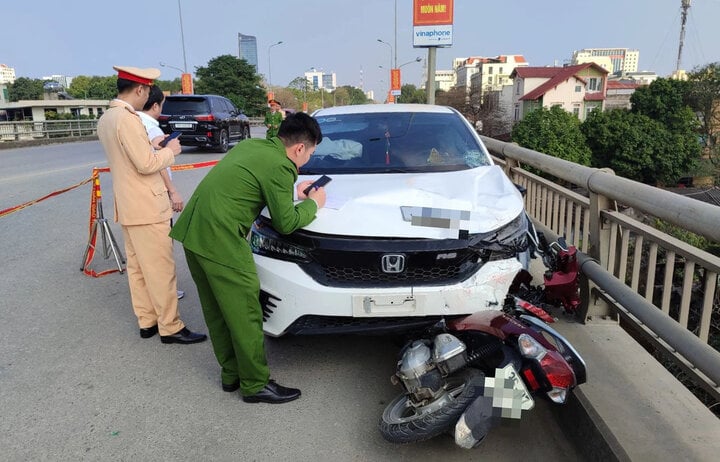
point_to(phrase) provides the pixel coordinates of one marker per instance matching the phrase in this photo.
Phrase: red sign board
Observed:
(395, 82)
(187, 84)
(432, 12)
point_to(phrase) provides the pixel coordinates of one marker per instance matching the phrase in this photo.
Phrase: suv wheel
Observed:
(223, 142)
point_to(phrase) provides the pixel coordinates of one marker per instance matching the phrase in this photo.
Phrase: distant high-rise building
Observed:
(622, 59)
(7, 74)
(319, 79)
(247, 46)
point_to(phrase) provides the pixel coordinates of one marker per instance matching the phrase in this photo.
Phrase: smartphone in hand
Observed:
(320, 182)
(172, 136)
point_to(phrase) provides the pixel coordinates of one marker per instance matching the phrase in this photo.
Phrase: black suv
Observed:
(204, 120)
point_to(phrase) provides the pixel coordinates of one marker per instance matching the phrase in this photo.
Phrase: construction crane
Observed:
(685, 6)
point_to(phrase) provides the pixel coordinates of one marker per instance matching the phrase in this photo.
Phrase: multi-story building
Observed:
(622, 59)
(63, 80)
(481, 74)
(247, 46)
(577, 89)
(7, 74)
(319, 79)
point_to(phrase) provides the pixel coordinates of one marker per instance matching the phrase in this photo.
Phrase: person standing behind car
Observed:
(142, 207)
(149, 116)
(273, 119)
(213, 229)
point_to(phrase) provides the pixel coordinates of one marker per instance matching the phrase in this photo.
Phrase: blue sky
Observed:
(88, 37)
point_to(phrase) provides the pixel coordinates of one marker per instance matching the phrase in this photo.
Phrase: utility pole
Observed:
(685, 5)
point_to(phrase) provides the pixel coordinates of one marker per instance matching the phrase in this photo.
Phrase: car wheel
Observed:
(246, 132)
(223, 141)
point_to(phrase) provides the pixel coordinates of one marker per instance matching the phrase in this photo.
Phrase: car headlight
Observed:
(273, 246)
(505, 242)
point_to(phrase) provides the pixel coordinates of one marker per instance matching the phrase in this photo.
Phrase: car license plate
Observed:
(385, 305)
(183, 125)
(508, 392)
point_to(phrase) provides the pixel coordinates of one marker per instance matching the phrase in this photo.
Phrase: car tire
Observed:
(246, 132)
(223, 141)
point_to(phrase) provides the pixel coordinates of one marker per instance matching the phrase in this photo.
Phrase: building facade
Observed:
(622, 59)
(319, 79)
(578, 89)
(247, 46)
(7, 74)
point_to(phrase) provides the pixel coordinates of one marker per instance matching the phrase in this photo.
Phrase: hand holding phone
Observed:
(172, 136)
(320, 182)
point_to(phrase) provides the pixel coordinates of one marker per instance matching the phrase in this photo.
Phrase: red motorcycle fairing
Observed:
(498, 324)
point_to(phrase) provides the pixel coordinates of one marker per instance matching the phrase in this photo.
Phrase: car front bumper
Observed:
(294, 295)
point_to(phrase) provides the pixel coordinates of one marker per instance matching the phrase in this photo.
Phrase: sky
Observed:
(87, 37)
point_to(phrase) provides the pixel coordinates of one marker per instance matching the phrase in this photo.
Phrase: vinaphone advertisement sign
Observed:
(432, 23)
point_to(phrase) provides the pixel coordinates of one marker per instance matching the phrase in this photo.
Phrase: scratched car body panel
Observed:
(419, 223)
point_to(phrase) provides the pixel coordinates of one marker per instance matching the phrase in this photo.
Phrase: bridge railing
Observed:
(33, 130)
(612, 220)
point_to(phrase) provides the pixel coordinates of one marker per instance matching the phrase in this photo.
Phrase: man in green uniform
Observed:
(273, 119)
(213, 229)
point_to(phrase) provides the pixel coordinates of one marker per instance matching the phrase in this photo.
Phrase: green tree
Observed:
(95, 87)
(409, 93)
(171, 86)
(637, 147)
(666, 100)
(351, 96)
(25, 88)
(235, 79)
(704, 98)
(554, 132)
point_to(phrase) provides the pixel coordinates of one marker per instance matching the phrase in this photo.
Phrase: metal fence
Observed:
(612, 219)
(30, 130)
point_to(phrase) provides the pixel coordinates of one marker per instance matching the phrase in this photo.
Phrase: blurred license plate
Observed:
(508, 392)
(183, 125)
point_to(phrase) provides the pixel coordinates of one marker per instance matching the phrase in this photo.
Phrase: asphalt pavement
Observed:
(78, 383)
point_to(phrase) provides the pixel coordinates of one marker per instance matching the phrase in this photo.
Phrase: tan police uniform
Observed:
(143, 209)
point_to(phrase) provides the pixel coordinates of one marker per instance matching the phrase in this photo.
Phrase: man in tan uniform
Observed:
(142, 207)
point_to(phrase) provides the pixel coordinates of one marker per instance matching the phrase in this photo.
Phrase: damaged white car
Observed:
(419, 223)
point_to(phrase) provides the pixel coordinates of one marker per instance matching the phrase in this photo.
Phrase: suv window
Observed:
(186, 105)
(394, 142)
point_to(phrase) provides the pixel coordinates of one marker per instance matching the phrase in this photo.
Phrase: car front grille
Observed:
(364, 269)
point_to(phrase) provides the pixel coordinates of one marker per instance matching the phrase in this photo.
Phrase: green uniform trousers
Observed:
(233, 315)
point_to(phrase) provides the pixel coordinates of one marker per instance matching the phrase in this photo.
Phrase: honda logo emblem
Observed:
(393, 263)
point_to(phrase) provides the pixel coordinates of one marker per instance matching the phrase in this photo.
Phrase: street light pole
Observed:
(182, 38)
(269, 69)
(391, 61)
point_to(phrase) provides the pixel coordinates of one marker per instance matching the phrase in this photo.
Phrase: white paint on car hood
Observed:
(370, 204)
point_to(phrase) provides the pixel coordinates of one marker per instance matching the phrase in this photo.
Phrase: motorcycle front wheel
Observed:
(403, 423)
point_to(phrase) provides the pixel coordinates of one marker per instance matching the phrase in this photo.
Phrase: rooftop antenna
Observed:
(685, 7)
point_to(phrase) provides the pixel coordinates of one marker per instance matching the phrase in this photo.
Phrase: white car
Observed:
(419, 224)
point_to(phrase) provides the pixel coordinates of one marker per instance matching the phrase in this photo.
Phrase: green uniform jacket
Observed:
(274, 119)
(218, 216)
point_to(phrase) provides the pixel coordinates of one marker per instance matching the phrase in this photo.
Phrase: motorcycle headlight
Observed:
(272, 246)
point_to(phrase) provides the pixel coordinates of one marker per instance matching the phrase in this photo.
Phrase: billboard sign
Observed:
(186, 83)
(432, 23)
(395, 83)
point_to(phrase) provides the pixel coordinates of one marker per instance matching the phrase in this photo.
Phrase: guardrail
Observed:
(35, 130)
(659, 285)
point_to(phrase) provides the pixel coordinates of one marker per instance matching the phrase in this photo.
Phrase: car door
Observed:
(234, 128)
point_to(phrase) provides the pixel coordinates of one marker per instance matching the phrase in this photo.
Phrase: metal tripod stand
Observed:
(109, 244)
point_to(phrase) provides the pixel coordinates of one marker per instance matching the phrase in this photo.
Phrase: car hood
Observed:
(436, 205)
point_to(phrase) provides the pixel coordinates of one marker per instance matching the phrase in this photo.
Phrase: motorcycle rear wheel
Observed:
(402, 423)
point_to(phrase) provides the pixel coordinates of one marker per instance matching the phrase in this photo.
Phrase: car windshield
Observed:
(189, 106)
(394, 143)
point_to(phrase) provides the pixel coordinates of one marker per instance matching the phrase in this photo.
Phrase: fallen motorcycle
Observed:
(463, 375)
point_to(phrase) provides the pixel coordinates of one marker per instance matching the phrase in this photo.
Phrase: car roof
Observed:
(383, 108)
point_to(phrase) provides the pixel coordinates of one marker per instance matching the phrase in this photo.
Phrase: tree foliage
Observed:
(409, 93)
(554, 132)
(666, 101)
(94, 87)
(704, 98)
(637, 147)
(25, 88)
(235, 79)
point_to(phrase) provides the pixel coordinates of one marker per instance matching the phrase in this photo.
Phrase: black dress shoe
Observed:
(147, 332)
(231, 387)
(273, 393)
(184, 336)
